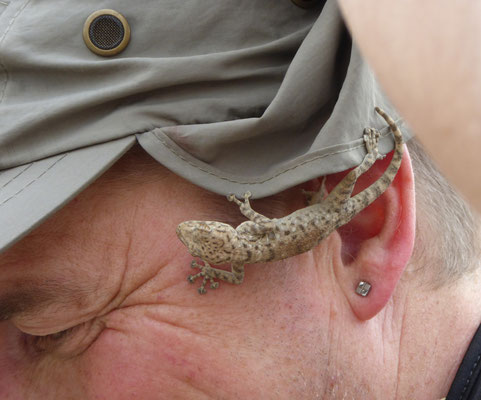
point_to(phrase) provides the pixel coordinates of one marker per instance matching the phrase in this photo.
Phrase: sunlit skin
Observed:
(294, 329)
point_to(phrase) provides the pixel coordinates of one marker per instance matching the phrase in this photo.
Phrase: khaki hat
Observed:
(231, 95)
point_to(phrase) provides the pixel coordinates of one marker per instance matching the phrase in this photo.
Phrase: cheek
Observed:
(118, 367)
(145, 364)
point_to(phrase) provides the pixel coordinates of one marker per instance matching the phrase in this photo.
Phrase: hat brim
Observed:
(30, 193)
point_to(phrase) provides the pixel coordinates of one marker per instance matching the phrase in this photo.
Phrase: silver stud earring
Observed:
(363, 288)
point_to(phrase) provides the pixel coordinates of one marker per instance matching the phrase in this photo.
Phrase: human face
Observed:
(97, 305)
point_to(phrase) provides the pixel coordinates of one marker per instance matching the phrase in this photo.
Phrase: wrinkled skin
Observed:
(133, 328)
(138, 329)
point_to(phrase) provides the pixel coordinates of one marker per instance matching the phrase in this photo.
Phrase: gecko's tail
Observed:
(368, 195)
(398, 137)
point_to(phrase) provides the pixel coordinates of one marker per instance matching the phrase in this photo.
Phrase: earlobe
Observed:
(377, 244)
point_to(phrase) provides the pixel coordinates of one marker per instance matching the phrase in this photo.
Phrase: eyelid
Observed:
(46, 323)
(68, 343)
(47, 343)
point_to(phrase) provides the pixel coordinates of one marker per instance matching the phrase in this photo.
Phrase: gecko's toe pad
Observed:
(371, 139)
(206, 274)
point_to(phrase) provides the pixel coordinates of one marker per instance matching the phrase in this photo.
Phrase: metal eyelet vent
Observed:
(106, 32)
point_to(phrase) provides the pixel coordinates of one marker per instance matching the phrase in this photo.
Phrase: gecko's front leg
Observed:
(261, 224)
(208, 273)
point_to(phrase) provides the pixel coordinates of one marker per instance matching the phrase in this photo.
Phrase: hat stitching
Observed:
(2, 66)
(34, 180)
(16, 176)
(173, 150)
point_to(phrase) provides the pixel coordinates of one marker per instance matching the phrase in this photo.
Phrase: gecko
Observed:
(263, 239)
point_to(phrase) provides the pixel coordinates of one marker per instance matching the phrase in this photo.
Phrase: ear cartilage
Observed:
(363, 288)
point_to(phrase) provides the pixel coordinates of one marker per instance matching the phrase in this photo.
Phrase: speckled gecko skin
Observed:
(262, 239)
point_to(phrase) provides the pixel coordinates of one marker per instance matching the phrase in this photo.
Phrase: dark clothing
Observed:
(467, 383)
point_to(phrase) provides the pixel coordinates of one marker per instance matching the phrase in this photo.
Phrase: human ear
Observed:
(376, 245)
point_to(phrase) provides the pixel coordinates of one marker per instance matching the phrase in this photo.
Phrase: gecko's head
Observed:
(205, 239)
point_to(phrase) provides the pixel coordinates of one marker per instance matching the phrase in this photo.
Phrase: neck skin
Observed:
(429, 331)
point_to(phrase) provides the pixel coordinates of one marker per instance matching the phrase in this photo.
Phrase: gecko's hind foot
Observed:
(206, 274)
(371, 140)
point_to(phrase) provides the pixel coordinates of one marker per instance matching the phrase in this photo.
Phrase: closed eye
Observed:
(46, 343)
